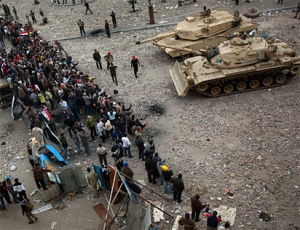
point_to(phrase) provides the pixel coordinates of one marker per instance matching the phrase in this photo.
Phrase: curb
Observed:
(148, 26)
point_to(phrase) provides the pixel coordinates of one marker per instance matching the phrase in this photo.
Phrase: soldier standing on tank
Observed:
(107, 29)
(298, 11)
(113, 73)
(113, 18)
(135, 64)
(81, 27)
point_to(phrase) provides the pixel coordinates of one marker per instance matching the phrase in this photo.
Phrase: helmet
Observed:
(164, 168)
(133, 57)
(109, 53)
(125, 163)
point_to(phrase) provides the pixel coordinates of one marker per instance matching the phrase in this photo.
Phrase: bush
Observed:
(45, 20)
(41, 13)
(36, 2)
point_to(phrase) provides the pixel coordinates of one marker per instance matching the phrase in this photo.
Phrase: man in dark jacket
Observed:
(196, 207)
(151, 168)
(64, 143)
(38, 174)
(113, 18)
(178, 187)
(212, 221)
(106, 25)
(113, 73)
(139, 142)
(87, 7)
(127, 172)
(120, 124)
(135, 64)
(97, 58)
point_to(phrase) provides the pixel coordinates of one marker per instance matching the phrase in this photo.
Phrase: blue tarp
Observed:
(44, 158)
(55, 153)
(97, 170)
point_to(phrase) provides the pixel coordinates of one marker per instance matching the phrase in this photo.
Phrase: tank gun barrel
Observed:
(195, 52)
(157, 38)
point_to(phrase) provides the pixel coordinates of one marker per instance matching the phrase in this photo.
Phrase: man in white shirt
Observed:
(126, 146)
(63, 105)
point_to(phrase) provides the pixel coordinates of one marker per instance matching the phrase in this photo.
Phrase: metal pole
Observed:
(152, 204)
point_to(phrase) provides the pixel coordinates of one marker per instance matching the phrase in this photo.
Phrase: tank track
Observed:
(247, 78)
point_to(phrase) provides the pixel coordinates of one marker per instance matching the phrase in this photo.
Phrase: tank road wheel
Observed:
(202, 87)
(228, 88)
(241, 86)
(280, 79)
(252, 12)
(295, 70)
(215, 90)
(254, 84)
(267, 81)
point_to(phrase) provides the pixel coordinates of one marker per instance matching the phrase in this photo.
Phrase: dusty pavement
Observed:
(248, 143)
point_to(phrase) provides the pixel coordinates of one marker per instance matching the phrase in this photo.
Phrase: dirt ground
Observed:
(248, 143)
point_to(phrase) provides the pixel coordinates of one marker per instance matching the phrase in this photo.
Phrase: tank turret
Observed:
(203, 29)
(238, 65)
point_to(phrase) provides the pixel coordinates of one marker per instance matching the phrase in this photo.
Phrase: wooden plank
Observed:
(101, 212)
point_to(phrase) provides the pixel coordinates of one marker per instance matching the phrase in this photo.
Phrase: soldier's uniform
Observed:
(81, 27)
(107, 28)
(113, 18)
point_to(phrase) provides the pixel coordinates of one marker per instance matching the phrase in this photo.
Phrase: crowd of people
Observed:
(49, 84)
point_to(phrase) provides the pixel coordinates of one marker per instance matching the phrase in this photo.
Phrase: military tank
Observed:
(238, 65)
(208, 28)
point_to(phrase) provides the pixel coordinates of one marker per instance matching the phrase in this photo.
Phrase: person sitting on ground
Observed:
(187, 222)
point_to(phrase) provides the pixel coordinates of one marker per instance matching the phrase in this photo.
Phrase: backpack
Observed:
(29, 206)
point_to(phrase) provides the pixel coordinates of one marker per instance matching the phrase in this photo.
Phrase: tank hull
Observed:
(224, 82)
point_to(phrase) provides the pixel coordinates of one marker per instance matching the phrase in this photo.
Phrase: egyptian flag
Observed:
(46, 113)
